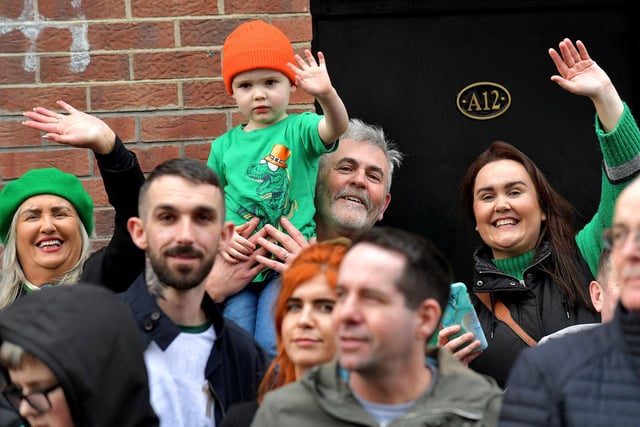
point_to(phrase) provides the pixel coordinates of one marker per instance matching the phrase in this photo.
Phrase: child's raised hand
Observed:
(312, 76)
(239, 248)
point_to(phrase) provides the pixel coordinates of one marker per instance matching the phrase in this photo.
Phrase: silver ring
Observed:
(57, 121)
(286, 255)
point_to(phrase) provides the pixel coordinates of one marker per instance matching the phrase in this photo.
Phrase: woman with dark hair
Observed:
(533, 261)
(304, 330)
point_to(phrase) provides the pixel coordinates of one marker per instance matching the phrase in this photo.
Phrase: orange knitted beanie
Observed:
(255, 45)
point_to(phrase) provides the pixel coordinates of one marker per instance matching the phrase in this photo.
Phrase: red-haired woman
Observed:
(304, 329)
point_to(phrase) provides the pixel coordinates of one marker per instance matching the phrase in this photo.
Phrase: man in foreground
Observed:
(391, 288)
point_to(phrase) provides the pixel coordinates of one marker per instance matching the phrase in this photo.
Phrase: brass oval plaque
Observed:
(483, 100)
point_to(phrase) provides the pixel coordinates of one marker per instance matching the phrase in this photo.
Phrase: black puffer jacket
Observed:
(88, 338)
(588, 378)
(535, 303)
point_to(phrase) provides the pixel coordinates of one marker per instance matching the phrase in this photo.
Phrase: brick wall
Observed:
(149, 68)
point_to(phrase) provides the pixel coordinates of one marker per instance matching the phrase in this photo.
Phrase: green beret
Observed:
(44, 181)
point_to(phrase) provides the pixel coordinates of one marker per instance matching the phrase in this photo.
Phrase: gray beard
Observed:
(350, 224)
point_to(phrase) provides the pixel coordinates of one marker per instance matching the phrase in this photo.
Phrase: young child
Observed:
(268, 166)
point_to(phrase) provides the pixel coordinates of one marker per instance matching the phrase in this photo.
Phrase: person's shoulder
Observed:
(236, 333)
(92, 269)
(234, 336)
(9, 417)
(302, 120)
(563, 370)
(451, 369)
(295, 395)
(144, 309)
(289, 405)
(572, 352)
(135, 291)
(293, 390)
(578, 334)
(240, 414)
(228, 136)
(324, 377)
(566, 331)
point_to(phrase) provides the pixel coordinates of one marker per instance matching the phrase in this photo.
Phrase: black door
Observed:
(403, 64)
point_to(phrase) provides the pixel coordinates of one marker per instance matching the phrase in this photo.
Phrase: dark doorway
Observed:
(401, 64)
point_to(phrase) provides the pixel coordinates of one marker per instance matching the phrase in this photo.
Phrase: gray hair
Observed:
(373, 135)
(11, 355)
(13, 277)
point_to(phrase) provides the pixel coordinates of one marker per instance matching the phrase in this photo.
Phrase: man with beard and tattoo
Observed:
(198, 363)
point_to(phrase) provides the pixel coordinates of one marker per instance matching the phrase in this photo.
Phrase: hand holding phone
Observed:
(460, 311)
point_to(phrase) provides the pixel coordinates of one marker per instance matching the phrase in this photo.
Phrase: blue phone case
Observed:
(460, 311)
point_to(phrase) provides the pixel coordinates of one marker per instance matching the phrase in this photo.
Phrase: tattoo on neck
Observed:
(155, 286)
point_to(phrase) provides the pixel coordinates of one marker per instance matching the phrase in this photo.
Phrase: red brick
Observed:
(54, 39)
(162, 8)
(198, 151)
(135, 35)
(266, 6)
(302, 109)
(237, 118)
(298, 28)
(206, 94)
(14, 164)
(94, 9)
(301, 97)
(134, 97)
(14, 134)
(15, 41)
(125, 127)
(17, 100)
(182, 127)
(207, 32)
(103, 222)
(14, 71)
(155, 154)
(95, 188)
(55, 69)
(11, 10)
(176, 64)
(98, 243)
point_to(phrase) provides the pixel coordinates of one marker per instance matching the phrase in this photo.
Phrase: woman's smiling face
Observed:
(49, 242)
(506, 208)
